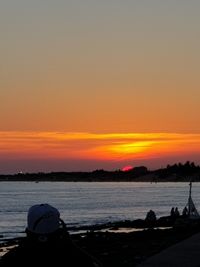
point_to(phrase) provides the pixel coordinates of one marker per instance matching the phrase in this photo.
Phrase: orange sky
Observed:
(79, 148)
(98, 67)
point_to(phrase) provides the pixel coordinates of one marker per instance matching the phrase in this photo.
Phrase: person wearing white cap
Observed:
(47, 243)
(43, 219)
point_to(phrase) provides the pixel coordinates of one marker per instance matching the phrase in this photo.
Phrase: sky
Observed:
(98, 84)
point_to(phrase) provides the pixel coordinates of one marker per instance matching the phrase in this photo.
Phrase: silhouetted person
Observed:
(172, 212)
(176, 212)
(47, 243)
(185, 212)
(151, 216)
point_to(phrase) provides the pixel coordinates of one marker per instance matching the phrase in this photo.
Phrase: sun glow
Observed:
(131, 148)
(113, 146)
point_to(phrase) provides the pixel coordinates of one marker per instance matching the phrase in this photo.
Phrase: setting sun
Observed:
(127, 168)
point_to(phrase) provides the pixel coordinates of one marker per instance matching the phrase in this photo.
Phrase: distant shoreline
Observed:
(104, 181)
(172, 173)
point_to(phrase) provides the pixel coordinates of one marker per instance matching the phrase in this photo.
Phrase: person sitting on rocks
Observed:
(47, 243)
(151, 216)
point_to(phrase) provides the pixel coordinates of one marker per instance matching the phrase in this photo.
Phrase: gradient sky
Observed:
(110, 69)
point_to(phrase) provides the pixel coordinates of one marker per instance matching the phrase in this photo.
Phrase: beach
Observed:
(122, 248)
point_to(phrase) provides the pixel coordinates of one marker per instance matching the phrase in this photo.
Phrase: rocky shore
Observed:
(123, 247)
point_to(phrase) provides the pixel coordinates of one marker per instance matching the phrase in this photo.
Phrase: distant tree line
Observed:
(180, 170)
(177, 172)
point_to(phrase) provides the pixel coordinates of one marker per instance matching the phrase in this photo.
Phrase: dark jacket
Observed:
(45, 251)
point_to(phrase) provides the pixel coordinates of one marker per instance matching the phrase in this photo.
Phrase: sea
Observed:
(89, 203)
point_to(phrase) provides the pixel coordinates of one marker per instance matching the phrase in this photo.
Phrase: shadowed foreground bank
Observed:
(182, 254)
(128, 249)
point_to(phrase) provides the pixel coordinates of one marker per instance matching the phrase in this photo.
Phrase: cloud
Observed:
(95, 146)
(54, 151)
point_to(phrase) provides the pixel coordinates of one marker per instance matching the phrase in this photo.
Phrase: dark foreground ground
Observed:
(130, 249)
(117, 249)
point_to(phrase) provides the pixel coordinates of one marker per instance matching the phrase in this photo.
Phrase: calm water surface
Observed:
(90, 203)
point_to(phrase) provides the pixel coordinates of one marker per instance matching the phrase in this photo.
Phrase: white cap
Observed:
(43, 219)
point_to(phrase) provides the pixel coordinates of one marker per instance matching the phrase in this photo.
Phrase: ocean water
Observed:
(87, 203)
